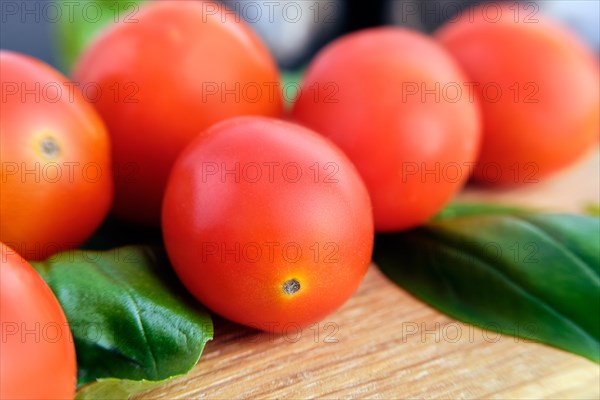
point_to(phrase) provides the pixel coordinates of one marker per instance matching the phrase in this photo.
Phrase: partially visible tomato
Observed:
(179, 68)
(396, 103)
(267, 223)
(37, 355)
(538, 86)
(55, 177)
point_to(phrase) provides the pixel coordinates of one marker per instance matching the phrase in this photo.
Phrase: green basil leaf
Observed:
(455, 210)
(592, 209)
(290, 81)
(115, 389)
(531, 275)
(78, 28)
(129, 315)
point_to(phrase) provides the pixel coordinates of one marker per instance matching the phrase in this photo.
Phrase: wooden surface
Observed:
(383, 343)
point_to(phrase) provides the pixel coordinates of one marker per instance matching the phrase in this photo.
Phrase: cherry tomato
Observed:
(56, 175)
(37, 355)
(179, 68)
(267, 223)
(391, 100)
(538, 89)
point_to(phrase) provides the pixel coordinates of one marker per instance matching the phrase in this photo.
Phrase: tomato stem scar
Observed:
(50, 148)
(291, 286)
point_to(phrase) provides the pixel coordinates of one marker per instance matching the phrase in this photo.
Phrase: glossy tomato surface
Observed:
(56, 178)
(393, 100)
(37, 355)
(183, 66)
(539, 91)
(267, 223)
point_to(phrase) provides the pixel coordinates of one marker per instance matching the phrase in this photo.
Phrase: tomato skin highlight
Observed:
(56, 177)
(278, 246)
(379, 94)
(175, 72)
(37, 354)
(548, 113)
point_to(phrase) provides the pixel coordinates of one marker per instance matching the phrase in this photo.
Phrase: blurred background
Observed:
(56, 31)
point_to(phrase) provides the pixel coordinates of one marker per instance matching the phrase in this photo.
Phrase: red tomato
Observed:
(181, 67)
(37, 355)
(539, 91)
(390, 99)
(267, 223)
(56, 179)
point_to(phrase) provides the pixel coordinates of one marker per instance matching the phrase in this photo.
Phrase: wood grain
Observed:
(383, 343)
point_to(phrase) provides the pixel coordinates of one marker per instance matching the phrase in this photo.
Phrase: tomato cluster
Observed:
(177, 120)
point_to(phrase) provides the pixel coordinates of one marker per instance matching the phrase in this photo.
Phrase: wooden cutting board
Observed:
(383, 343)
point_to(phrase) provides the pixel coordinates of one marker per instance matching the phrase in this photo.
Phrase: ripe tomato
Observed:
(539, 91)
(267, 223)
(56, 175)
(37, 355)
(392, 100)
(181, 67)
